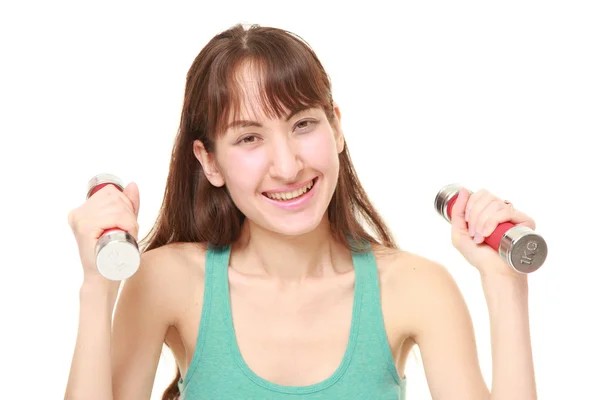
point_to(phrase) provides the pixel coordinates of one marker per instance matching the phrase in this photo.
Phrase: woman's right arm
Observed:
(116, 358)
(119, 360)
(90, 375)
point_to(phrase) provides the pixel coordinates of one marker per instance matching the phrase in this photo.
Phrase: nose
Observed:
(286, 163)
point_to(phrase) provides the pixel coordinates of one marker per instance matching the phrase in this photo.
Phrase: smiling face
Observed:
(281, 172)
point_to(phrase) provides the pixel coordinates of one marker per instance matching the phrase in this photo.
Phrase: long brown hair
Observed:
(292, 78)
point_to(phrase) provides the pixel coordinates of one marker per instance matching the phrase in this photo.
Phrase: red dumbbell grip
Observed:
(494, 239)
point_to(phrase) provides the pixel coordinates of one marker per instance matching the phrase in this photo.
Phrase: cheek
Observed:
(243, 171)
(320, 153)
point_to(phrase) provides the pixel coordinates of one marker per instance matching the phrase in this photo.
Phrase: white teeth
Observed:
(290, 195)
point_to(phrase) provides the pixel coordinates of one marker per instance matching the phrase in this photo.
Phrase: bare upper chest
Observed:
(292, 335)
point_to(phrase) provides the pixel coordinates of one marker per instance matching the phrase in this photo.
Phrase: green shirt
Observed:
(218, 371)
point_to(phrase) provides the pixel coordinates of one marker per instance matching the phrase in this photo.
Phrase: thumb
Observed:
(133, 194)
(458, 210)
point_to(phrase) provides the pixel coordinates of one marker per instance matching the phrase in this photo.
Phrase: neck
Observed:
(287, 258)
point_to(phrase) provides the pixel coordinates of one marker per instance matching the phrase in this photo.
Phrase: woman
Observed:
(261, 275)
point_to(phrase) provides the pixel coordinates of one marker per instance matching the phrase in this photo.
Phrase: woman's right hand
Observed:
(105, 209)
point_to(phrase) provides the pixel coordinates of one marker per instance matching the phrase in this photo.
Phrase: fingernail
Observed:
(471, 231)
(478, 238)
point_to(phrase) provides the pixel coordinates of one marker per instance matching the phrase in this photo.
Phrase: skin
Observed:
(303, 309)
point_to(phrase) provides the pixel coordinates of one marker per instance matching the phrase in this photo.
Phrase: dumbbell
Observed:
(521, 247)
(117, 252)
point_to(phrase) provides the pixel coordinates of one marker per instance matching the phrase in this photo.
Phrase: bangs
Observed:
(275, 78)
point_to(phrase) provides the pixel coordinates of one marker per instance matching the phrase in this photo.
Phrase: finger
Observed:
(506, 213)
(127, 196)
(110, 197)
(458, 211)
(500, 216)
(477, 203)
(132, 193)
(473, 199)
(490, 211)
(519, 218)
(72, 216)
(121, 218)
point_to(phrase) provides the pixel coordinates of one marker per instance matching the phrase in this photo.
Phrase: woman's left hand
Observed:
(474, 217)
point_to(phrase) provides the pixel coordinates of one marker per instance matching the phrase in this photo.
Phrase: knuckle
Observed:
(481, 193)
(71, 217)
(77, 221)
(481, 221)
(488, 225)
(481, 226)
(78, 225)
(455, 238)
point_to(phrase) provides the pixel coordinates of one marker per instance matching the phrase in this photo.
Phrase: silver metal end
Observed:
(103, 178)
(523, 249)
(443, 198)
(117, 255)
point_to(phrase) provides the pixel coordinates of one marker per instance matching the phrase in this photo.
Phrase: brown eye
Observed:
(305, 124)
(248, 139)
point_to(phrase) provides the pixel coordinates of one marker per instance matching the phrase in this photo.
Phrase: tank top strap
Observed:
(217, 282)
(373, 341)
(367, 277)
(217, 273)
(212, 321)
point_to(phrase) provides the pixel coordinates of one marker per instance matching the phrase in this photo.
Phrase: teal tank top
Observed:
(218, 371)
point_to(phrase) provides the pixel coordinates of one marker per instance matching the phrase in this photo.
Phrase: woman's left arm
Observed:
(475, 217)
(440, 320)
(512, 362)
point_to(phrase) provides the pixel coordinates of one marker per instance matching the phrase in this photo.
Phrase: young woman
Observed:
(269, 274)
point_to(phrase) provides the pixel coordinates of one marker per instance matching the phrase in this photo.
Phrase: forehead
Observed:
(251, 101)
(256, 90)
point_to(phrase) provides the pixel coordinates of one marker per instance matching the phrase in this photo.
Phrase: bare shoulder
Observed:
(422, 301)
(419, 286)
(171, 273)
(174, 255)
(403, 271)
(150, 302)
(175, 258)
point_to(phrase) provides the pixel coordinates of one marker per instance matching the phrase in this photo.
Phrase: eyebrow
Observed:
(245, 123)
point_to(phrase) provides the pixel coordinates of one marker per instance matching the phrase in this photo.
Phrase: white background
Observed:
(497, 95)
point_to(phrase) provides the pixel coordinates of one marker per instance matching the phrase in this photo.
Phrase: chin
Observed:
(295, 226)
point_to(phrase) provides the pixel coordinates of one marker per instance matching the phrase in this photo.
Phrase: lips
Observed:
(291, 194)
(303, 196)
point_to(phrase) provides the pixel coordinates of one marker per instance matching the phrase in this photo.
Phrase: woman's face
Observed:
(281, 173)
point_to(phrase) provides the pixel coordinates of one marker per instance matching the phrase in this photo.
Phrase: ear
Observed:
(337, 128)
(209, 164)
